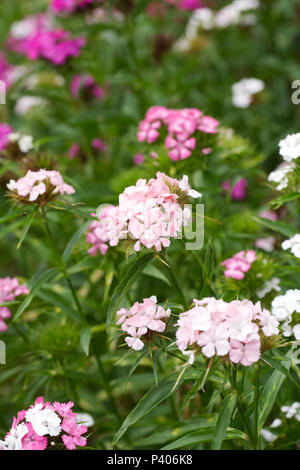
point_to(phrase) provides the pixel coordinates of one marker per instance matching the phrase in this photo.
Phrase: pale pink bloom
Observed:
(239, 264)
(42, 183)
(266, 244)
(246, 354)
(224, 328)
(269, 214)
(98, 231)
(141, 319)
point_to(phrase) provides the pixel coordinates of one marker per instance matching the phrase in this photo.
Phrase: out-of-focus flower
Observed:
(293, 244)
(87, 85)
(271, 284)
(68, 7)
(26, 103)
(138, 159)
(238, 191)
(269, 214)
(266, 244)
(5, 131)
(142, 321)
(225, 329)
(9, 290)
(292, 411)
(244, 90)
(182, 126)
(239, 264)
(86, 419)
(39, 186)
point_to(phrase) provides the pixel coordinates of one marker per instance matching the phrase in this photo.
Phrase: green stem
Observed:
(243, 415)
(256, 403)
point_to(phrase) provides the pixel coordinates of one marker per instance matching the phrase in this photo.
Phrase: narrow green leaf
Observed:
(132, 273)
(153, 271)
(270, 392)
(29, 220)
(224, 418)
(85, 339)
(42, 279)
(155, 395)
(277, 226)
(202, 435)
(72, 242)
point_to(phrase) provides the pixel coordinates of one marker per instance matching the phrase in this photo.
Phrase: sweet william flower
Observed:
(245, 353)
(239, 264)
(39, 186)
(293, 244)
(289, 148)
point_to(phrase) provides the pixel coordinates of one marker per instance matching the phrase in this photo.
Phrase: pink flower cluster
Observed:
(86, 83)
(5, 131)
(39, 427)
(239, 264)
(70, 6)
(182, 127)
(98, 231)
(41, 42)
(238, 190)
(220, 328)
(40, 186)
(141, 321)
(150, 213)
(9, 290)
(6, 71)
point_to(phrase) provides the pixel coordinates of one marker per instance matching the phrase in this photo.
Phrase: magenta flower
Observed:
(138, 159)
(74, 437)
(190, 4)
(9, 290)
(182, 128)
(98, 144)
(148, 131)
(238, 191)
(88, 85)
(32, 441)
(5, 131)
(70, 6)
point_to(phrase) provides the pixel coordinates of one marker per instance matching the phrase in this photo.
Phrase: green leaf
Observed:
(29, 220)
(58, 300)
(202, 435)
(42, 279)
(278, 366)
(270, 392)
(224, 419)
(85, 339)
(277, 226)
(132, 273)
(153, 271)
(279, 201)
(155, 395)
(72, 242)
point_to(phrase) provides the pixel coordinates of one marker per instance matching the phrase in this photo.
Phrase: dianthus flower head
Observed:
(68, 7)
(98, 231)
(149, 214)
(32, 428)
(5, 131)
(219, 328)
(182, 126)
(39, 187)
(9, 290)
(239, 264)
(142, 321)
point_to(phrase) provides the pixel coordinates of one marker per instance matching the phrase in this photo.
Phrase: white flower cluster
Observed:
(292, 411)
(268, 286)
(244, 90)
(236, 13)
(293, 244)
(280, 175)
(25, 142)
(289, 149)
(283, 307)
